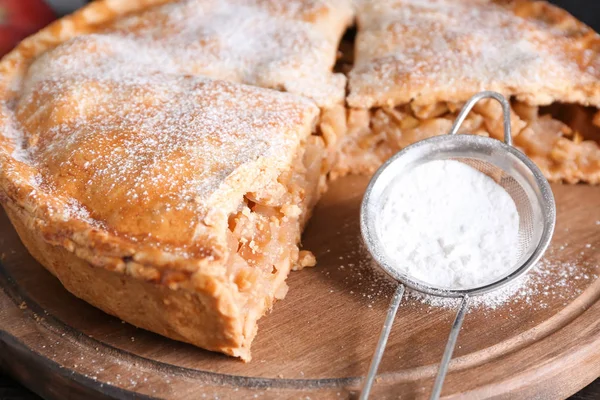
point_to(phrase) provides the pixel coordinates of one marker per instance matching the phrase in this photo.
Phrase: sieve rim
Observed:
(370, 237)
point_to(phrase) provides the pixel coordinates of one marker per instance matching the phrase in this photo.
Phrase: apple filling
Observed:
(561, 139)
(265, 231)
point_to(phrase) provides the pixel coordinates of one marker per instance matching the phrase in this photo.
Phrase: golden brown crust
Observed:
(427, 52)
(80, 22)
(199, 316)
(204, 266)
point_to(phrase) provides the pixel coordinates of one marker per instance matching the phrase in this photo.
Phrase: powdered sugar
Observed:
(450, 226)
(554, 281)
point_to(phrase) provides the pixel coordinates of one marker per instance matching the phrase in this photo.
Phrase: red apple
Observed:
(21, 18)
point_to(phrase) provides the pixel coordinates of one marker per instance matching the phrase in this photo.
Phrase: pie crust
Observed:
(445, 50)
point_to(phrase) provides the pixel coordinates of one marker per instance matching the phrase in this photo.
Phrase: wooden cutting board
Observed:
(317, 343)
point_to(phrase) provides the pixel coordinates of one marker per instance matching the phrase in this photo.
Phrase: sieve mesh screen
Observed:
(522, 201)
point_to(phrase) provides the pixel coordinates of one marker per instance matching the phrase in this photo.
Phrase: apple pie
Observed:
(416, 62)
(161, 157)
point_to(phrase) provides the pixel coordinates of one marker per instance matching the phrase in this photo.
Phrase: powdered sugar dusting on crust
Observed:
(289, 45)
(11, 131)
(438, 50)
(131, 137)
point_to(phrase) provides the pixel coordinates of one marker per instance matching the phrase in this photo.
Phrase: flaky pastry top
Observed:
(428, 51)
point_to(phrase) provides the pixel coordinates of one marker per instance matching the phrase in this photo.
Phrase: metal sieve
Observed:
(510, 168)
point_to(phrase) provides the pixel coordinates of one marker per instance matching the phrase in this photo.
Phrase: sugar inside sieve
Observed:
(509, 168)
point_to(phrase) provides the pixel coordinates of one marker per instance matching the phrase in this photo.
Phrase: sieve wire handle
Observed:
(439, 380)
(471, 103)
(380, 349)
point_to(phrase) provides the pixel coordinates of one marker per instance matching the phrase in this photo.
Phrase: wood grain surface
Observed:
(318, 342)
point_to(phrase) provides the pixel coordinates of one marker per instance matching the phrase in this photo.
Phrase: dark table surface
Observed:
(587, 11)
(12, 390)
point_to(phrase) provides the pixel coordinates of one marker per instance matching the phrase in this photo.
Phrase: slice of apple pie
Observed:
(416, 62)
(171, 200)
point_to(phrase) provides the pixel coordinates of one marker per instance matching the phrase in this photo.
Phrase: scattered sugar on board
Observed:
(549, 281)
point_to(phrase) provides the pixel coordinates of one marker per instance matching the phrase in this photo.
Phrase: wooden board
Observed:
(318, 342)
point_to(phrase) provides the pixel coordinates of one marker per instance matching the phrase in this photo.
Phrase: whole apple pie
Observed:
(161, 158)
